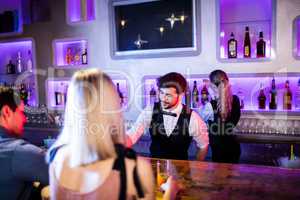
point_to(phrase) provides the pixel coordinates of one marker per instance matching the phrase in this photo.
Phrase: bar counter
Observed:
(205, 180)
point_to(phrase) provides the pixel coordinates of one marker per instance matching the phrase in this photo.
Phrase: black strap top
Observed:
(119, 165)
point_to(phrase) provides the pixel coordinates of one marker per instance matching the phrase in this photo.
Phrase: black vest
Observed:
(177, 144)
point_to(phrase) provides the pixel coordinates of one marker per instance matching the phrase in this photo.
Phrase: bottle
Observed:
(204, 93)
(297, 96)
(247, 44)
(69, 56)
(262, 98)
(273, 96)
(77, 59)
(58, 98)
(232, 47)
(153, 97)
(287, 97)
(292, 154)
(84, 57)
(10, 68)
(188, 98)
(29, 64)
(19, 63)
(261, 46)
(195, 96)
(241, 97)
(83, 10)
(120, 94)
(23, 93)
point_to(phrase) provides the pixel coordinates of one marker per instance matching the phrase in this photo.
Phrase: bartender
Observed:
(171, 125)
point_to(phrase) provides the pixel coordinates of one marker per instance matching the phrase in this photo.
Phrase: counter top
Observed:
(204, 180)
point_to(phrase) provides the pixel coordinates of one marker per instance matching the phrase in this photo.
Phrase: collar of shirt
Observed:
(176, 110)
(4, 133)
(170, 121)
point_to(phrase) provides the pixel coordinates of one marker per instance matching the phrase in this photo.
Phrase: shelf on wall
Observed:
(80, 11)
(11, 18)
(233, 16)
(9, 51)
(57, 92)
(296, 38)
(70, 53)
(246, 87)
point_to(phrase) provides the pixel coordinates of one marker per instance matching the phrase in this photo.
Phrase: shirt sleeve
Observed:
(28, 164)
(141, 124)
(207, 112)
(198, 130)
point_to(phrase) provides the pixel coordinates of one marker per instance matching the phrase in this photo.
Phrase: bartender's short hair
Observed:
(172, 79)
(9, 97)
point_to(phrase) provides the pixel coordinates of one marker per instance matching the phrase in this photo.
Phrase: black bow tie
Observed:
(169, 113)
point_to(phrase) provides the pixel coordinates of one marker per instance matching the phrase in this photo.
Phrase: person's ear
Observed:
(6, 111)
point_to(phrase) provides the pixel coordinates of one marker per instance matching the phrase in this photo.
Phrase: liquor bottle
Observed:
(29, 64)
(261, 46)
(273, 96)
(241, 96)
(84, 60)
(247, 43)
(153, 97)
(204, 94)
(77, 59)
(69, 56)
(19, 63)
(297, 96)
(58, 98)
(83, 10)
(287, 97)
(195, 96)
(10, 68)
(120, 94)
(23, 93)
(262, 98)
(232, 47)
(188, 98)
(292, 154)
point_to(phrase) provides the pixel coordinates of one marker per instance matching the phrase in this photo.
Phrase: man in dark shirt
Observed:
(21, 163)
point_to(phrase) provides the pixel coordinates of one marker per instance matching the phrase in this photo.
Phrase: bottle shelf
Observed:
(70, 53)
(234, 16)
(296, 38)
(246, 87)
(20, 51)
(57, 92)
(11, 22)
(80, 11)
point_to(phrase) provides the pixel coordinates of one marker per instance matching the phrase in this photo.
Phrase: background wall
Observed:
(98, 34)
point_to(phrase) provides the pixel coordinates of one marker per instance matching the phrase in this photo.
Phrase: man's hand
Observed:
(201, 154)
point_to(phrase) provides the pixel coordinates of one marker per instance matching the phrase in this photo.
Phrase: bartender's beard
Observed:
(170, 105)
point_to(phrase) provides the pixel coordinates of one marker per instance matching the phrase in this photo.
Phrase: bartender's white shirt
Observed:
(197, 128)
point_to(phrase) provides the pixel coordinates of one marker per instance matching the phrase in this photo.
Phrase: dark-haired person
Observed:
(21, 163)
(224, 146)
(171, 125)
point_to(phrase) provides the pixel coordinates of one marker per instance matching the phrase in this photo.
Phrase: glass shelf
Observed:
(246, 87)
(25, 50)
(57, 92)
(233, 16)
(11, 22)
(296, 38)
(80, 11)
(70, 53)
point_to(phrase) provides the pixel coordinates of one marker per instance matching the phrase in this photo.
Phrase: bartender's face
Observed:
(168, 97)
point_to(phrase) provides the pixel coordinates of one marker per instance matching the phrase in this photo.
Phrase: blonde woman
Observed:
(88, 160)
(224, 146)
